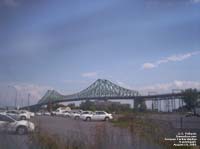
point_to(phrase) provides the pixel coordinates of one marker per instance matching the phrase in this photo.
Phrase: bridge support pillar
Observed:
(181, 104)
(159, 105)
(49, 107)
(139, 105)
(155, 105)
(135, 103)
(166, 103)
(173, 103)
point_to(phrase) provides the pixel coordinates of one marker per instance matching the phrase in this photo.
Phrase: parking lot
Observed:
(64, 127)
(102, 132)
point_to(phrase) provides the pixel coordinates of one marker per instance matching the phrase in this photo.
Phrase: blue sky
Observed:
(66, 45)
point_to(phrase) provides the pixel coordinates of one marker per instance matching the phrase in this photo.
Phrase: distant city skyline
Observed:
(145, 45)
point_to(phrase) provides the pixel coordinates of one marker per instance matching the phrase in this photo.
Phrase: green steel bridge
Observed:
(105, 90)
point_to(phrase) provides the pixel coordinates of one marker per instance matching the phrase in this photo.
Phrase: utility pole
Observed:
(15, 100)
(29, 101)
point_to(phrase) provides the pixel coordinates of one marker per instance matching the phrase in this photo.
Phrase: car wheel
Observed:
(21, 130)
(88, 118)
(77, 117)
(23, 118)
(107, 119)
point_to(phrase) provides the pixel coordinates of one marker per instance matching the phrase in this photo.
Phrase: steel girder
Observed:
(99, 89)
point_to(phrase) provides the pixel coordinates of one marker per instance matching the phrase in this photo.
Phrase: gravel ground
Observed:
(66, 127)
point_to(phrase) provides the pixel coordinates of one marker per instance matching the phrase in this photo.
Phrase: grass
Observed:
(102, 136)
(153, 131)
(130, 131)
(47, 141)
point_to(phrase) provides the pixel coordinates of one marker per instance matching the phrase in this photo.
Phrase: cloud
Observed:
(35, 91)
(176, 85)
(21, 91)
(195, 1)
(10, 3)
(148, 66)
(168, 87)
(173, 58)
(89, 74)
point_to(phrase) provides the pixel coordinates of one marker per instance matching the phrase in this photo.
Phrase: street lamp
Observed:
(15, 103)
(29, 99)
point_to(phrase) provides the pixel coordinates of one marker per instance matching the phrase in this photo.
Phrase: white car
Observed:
(96, 116)
(58, 112)
(38, 113)
(46, 113)
(31, 114)
(85, 113)
(9, 124)
(18, 115)
(75, 115)
(66, 114)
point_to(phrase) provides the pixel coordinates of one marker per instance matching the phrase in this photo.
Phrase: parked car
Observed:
(97, 116)
(190, 114)
(66, 114)
(84, 113)
(38, 113)
(46, 113)
(57, 112)
(10, 124)
(75, 115)
(31, 114)
(18, 115)
(1, 112)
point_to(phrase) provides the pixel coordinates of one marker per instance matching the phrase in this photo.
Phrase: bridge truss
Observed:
(100, 89)
(106, 90)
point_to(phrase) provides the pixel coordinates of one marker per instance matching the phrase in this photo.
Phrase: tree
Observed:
(190, 97)
(72, 105)
(140, 105)
(88, 105)
(53, 107)
(143, 106)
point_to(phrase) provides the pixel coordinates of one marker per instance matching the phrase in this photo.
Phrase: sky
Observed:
(145, 45)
